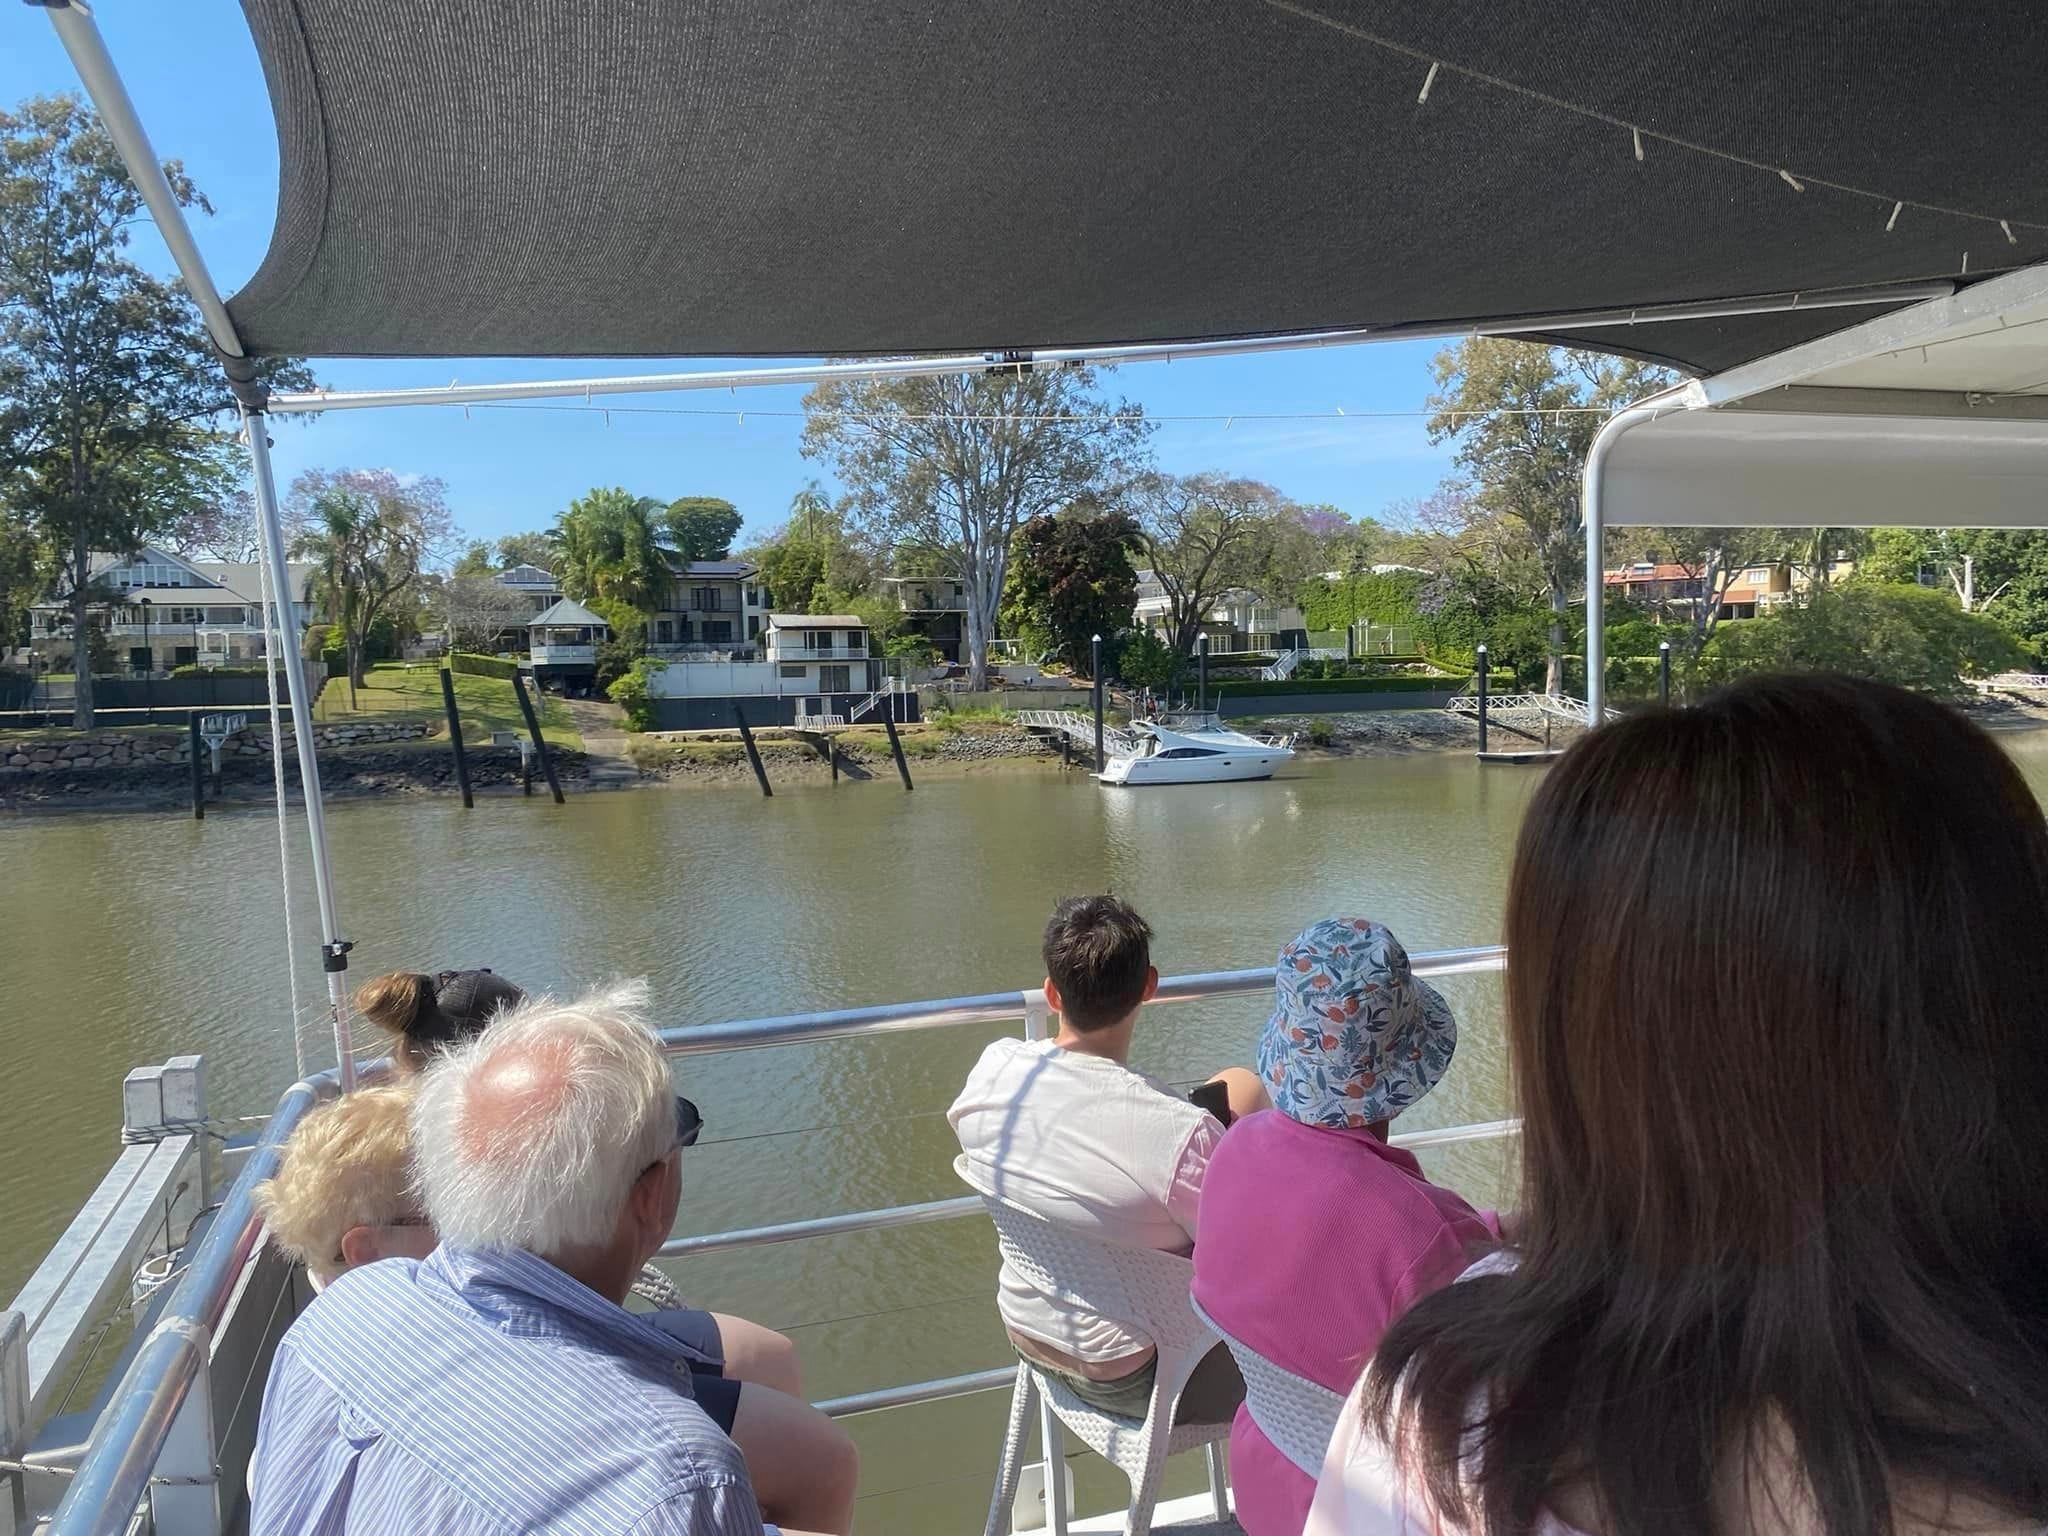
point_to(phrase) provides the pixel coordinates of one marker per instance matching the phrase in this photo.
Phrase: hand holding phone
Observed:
(1215, 1098)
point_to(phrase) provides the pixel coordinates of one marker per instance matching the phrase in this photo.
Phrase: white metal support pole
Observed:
(333, 947)
(1592, 493)
(102, 82)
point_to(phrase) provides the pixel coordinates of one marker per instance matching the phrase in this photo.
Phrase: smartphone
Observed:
(1215, 1098)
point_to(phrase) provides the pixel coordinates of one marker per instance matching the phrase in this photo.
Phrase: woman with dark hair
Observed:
(1775, 986)
(426, 1014)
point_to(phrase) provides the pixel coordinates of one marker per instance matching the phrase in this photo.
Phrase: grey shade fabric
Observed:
(807, 177)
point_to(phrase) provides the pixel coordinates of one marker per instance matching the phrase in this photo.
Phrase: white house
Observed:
(813, 664)
(537, 586)
(164, 611)
(1238, 620)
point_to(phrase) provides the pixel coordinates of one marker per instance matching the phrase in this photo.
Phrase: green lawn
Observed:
(487, 704)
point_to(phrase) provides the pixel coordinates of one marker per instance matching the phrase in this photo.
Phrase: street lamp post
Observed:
(1095, 671)
(1202, 673)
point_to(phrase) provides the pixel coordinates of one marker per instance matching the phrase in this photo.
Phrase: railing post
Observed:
(1201, 673)
(1037, 1014)
(1664, 672)
(184, 1497)
(455, 738)
(14, 1418)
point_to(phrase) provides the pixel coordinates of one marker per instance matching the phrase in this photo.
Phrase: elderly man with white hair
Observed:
(500, 1385)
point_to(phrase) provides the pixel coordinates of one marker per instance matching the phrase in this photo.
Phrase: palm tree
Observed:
(611, 550)
(334, 542)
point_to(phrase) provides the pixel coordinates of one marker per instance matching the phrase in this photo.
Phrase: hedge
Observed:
(1264, 689)
(195, 670)
(483, 666)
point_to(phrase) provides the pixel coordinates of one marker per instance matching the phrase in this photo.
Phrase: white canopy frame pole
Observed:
(1592, 497)
(1053, 357)
(102, 82)
(333, 947)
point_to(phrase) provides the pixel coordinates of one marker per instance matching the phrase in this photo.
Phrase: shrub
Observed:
(1383, 597)
(193, 670)
(1144, 660)
(1320, 733)
(472, 665)
(615, 658)
(1911, 636)
(631, 693)
(334, 660)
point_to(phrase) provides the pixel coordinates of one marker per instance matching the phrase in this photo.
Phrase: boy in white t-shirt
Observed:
(1065, 1129)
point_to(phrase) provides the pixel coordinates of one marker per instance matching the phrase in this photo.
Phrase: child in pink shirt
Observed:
(1314, 1233)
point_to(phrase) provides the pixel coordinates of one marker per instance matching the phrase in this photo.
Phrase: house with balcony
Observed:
(811, 666)
(934, 607)
(540, 588)
(561, 646)
(1680, 589)
(159, 611)
(1239, 619)
(715, 609)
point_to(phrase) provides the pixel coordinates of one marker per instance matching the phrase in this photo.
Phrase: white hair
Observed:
(546, 1164)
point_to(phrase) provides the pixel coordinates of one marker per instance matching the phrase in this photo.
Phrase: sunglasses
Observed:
(688, 1122)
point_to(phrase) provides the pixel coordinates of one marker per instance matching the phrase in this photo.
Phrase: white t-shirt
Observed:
(1088, 1143)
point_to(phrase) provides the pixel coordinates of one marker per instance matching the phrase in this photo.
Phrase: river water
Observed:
(130, 938)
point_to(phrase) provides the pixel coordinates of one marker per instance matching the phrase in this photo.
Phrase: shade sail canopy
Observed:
(807, 177)
(1934, 417)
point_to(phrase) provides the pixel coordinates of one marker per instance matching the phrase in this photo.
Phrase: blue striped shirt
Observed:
(480, 1394)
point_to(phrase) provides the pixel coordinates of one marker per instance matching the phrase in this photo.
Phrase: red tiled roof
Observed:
(1632, 573)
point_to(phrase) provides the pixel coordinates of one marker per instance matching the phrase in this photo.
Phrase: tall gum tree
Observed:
(114, 413)
(958, 463)
(1523, 418)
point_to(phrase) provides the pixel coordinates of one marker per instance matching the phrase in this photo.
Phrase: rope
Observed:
(273, 635)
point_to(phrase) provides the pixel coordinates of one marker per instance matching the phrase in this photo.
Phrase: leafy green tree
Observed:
(1205, 535)
(1523, 418)
(1145, 661)
(700, 527)
(475, 561)
(609, 545)
(536, 549)
(370, 535)
(958, 463)
(1912, 636)
(1071, 577)
(814, 548)
(111, 398)
(1376, 597)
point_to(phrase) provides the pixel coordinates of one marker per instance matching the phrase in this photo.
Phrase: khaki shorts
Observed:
(1211, 1395)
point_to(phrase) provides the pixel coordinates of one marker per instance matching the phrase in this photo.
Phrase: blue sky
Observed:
(193, 73)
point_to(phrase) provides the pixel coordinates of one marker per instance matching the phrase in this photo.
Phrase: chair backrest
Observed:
(1140, 1287)
(1298, 1415)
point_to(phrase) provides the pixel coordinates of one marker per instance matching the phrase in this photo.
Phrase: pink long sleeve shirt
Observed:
(1312, 1241)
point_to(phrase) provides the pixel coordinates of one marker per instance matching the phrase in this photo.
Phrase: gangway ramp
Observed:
(1080, 726)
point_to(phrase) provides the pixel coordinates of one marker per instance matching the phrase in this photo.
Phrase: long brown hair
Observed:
(1777, 972)
(425, 1014)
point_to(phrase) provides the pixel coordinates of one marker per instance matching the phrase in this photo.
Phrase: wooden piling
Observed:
(540, 744)
(198, 768)
(896, 747)
(455, 737)
(753, 752)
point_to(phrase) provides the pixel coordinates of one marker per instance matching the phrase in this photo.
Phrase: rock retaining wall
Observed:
(123, 749)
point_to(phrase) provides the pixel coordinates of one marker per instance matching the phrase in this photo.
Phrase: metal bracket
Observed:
(334, 954)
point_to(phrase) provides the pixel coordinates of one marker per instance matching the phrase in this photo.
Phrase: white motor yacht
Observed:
(1194, 750)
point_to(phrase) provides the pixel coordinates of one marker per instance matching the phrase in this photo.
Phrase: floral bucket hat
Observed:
(1355, 1038)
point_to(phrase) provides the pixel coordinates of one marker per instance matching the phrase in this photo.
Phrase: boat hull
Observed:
(1133, 772)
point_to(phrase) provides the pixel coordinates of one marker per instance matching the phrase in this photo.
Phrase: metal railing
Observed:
(127, 1444)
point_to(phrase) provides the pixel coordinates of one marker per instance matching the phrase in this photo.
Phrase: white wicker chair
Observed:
(1149, 1289)
(1296, 1414)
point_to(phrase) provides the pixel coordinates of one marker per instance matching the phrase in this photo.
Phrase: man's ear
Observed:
(1151, 982)
(359, 1246)
(648, 1193)
(1052, 996)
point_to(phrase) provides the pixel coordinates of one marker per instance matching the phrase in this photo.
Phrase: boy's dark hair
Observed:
(1098, 953)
